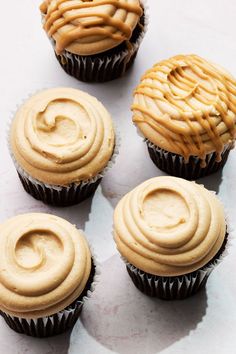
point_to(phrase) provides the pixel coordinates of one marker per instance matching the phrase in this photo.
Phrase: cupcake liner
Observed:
(59, 322)
(56, 195)
(95, 69)
(60, 195)
(105, 66)
(47, 326)
(175, 288)
(175, 165)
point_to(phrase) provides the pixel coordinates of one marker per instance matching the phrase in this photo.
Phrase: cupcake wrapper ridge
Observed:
(47, 326)
(89, 69)
(168, 288)
(61, 196)
(179, 287)
(174, 164)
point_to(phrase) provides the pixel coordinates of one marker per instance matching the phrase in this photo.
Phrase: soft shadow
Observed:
(126, 321)
(213, 181)
(111, 192)
(12, 342)
(76, 214)
(133, 166)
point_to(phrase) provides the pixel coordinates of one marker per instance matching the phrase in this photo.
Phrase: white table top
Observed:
(120, 319)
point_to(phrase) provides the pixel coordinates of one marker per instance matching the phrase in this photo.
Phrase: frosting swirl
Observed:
(168, 226)
(45, 264)
(187, 106)
(62, 135)
(88, 27)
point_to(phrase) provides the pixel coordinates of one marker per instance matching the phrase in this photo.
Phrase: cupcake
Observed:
(171, 234)
(46, 273)
(61, 140)
(185, 108)
(94, 41)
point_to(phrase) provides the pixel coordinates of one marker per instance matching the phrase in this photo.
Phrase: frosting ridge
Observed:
(187, 105)
(90, 27)
(168, 226)
(45, 264)
(60, 136)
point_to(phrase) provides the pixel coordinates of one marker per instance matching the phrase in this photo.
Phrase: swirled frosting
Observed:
(168, 226)
(88, 27)
(45, 264)
(62, 135)
(187, 106)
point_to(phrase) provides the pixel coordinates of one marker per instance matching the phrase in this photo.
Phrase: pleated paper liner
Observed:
(46, 326)
(108, 65)
(174, 164)
(178, 287)
(61, 321)
(56, 195)
(61, 196)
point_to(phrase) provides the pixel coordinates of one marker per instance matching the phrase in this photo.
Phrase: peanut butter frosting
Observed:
(168, 226)
(62, 135)
(45, 264)
(87, 27)
(187, 106)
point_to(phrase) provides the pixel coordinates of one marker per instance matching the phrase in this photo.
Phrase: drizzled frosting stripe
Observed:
(187, 105)
(61, 136)
(102, 23)
(169, 226)
(45, 264)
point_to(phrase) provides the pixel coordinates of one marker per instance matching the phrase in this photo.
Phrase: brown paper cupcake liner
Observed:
(95, 68)
(174, 164)
(108, 65)
(174, 288)
(59, 322)
(61, 196)
(45, 327)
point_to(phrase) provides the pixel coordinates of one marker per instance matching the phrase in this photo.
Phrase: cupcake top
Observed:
(87, 27)
(62, 135)
(187, 106)
(45, 264)
(168, 226)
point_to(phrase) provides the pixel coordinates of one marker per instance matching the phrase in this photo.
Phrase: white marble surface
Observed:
(119, 319)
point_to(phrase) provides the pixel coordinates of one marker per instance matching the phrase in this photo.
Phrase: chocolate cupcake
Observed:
(94, 41)
(61, 141)
(185, 108)
(171, 234)
(46, 273)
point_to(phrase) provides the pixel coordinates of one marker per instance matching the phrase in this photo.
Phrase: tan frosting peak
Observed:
(187, 106)
(45, 264)
(62, 135)
(90, 27)
(168, 226)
